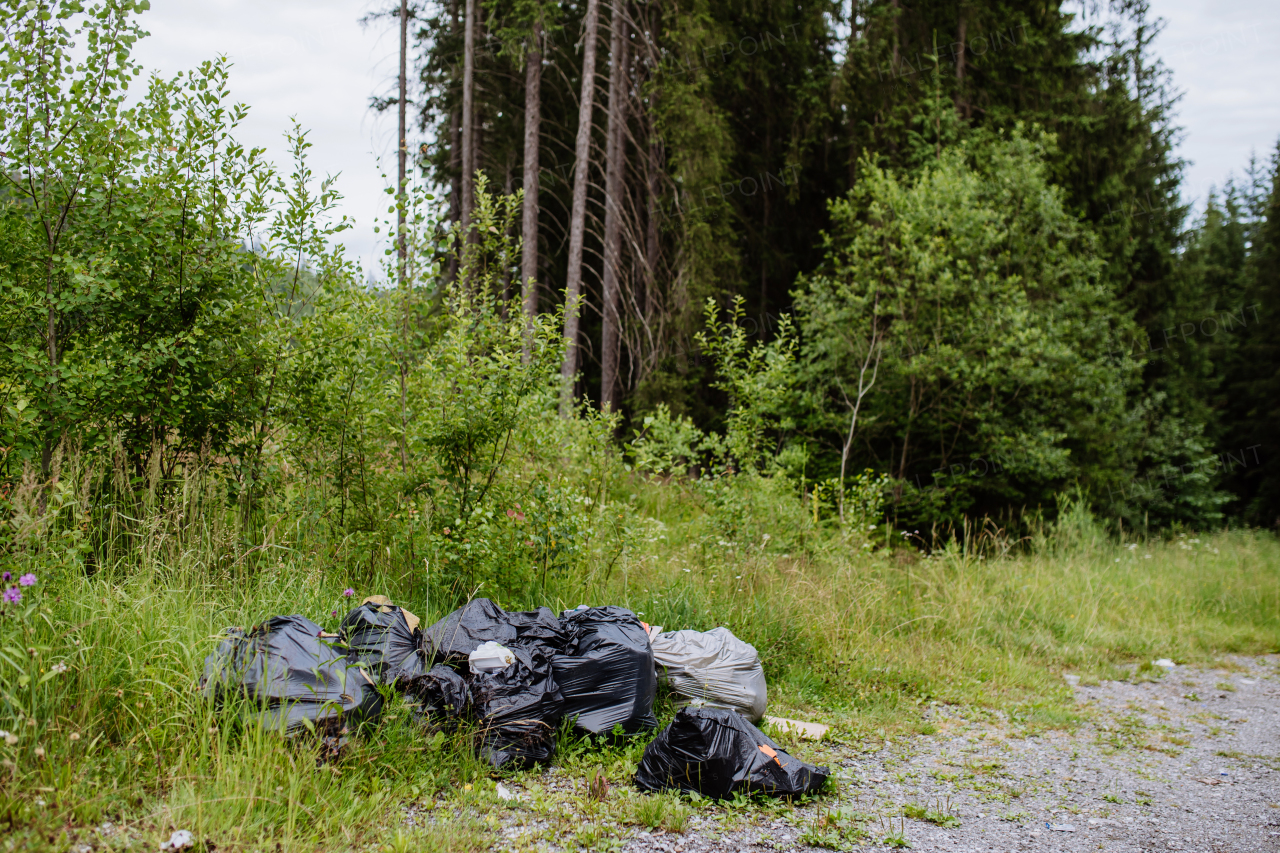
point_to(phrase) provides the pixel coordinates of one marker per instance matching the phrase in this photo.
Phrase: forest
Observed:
(881, 332)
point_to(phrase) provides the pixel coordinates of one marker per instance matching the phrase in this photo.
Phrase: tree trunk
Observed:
(615, 153)
(578, 215)
(51, 347)
(455, 160)
(962, 107)
(506, 243)
(403, 152)
(653, 173)
(402, 246)
(468, 116)
(894, 64)
(532, 173)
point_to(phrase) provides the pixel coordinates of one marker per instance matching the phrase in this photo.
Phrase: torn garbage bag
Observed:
(518, 709)
(291, 677)
(457, 635)
(438, 698)
(714, 668)
(385, 638)
(715, 752)
(606, 672)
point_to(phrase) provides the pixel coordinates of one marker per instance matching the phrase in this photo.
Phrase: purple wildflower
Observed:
(27, 580)
(6, 577)
(348, 592)
(333, 613)
(12, 596)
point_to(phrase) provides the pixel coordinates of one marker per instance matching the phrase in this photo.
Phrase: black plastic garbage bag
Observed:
(386, 639)
(606, 673)
(292, 678)
(438, 698)
(457, 635)
(519, 709)
(717, 753)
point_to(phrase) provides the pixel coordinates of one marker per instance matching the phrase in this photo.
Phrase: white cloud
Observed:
(308, 60)
(1224, 60)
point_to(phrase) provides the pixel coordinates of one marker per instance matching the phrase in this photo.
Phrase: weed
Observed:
(649, 811)
(458, 836)
(896, 837)
(1113, 798)
(835, 829)
(939, 817)
(676, 819)
(1226, 685)
(986, 767)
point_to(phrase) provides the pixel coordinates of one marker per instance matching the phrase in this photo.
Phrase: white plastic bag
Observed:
(490, 657)
(714, 668)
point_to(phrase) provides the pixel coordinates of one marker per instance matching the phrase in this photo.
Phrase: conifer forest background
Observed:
(993, 184)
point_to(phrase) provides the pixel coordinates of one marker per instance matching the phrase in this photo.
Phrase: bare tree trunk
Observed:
(51, 347)
(468, 116)
(403, 152)
(402, 246)
(962, 106)
(653, 172)
(532, 173)
(615, 153)
(455, 160)
(852, 124)
(874, 348)
(506, 260)
(578, 216)
(894, 64)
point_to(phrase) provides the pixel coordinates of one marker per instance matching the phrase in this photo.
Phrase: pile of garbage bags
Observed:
(516, 676)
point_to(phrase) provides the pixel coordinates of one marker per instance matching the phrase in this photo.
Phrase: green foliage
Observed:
(207, 417)
(122, 277)
(999, 381)
(756, 379)
(667, 444)
(1246, 253)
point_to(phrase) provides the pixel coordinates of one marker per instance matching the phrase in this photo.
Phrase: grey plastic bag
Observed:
(712, 668)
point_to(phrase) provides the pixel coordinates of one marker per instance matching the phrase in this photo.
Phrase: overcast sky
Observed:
(311, 59)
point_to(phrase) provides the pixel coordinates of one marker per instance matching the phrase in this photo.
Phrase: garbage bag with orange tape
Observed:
(715, 752)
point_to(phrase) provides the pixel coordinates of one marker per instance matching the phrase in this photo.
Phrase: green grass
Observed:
(860, 637)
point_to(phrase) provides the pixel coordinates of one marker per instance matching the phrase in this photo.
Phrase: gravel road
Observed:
(1189, 761)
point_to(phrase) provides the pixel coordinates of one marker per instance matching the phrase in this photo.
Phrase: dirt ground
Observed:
(1190, 762)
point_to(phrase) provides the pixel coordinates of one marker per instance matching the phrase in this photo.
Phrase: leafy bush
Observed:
(961, 334)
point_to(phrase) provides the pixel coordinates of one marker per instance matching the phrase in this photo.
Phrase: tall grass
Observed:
(851, 631)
